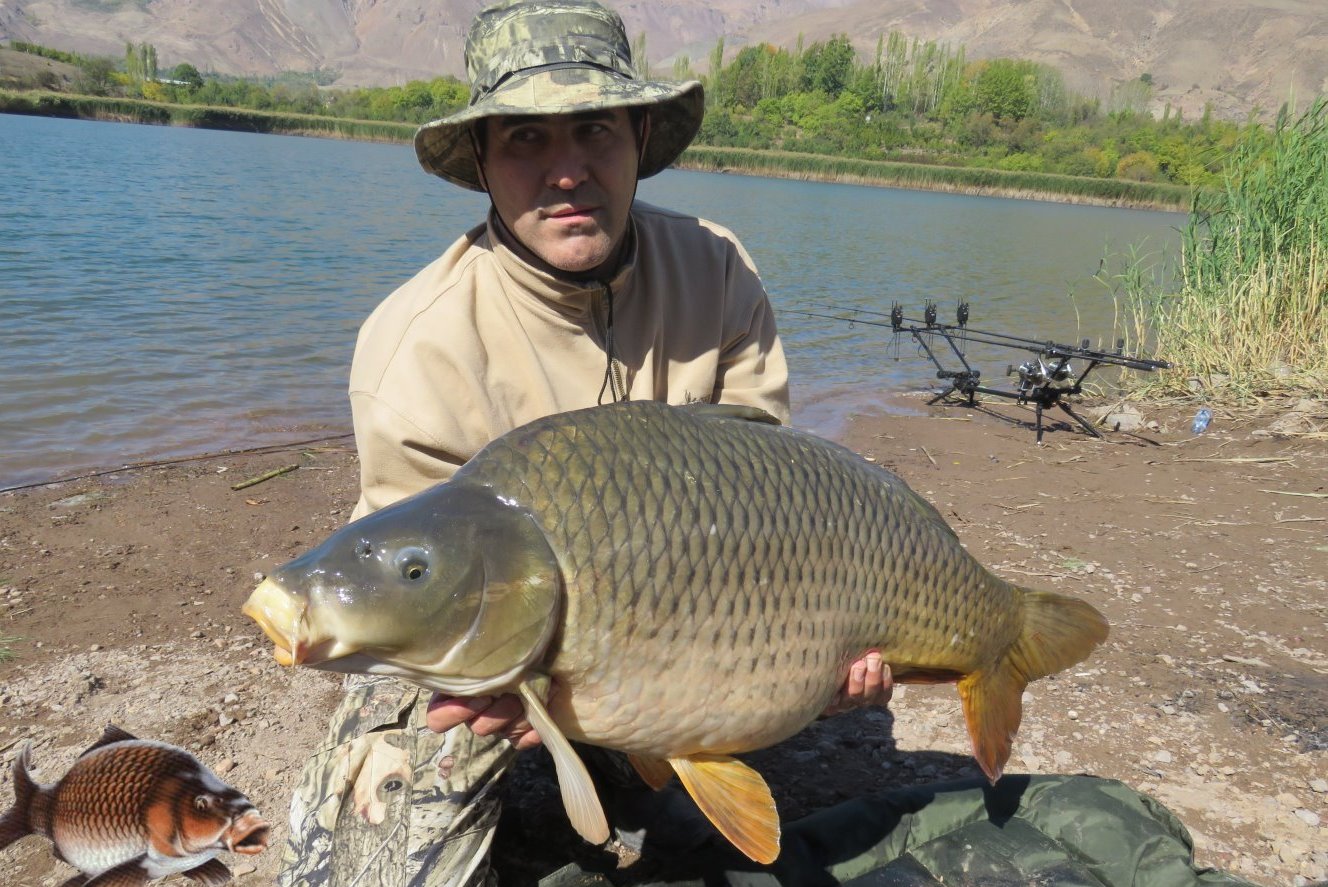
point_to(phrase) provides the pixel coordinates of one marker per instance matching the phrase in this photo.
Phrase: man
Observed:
(570, 295)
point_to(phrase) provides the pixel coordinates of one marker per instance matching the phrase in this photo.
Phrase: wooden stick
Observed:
(1291, 493)
(929, 456)
(276, 472)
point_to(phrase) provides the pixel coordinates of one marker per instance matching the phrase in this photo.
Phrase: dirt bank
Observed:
(119, 599)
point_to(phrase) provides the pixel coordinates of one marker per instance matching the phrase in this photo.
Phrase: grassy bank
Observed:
(962, 180)
(1248, 314)
(818, 167)
(57, 104)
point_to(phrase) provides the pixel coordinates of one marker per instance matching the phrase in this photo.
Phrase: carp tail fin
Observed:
(1058, 631)
(579, 796)
(735, 799)
(16, 822)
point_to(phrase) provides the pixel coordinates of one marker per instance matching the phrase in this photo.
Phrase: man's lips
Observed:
(570, 213)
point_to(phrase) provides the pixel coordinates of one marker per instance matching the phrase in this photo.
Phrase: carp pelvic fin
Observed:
(579, 797)
(655, 771)
(1058, 631)
(736, 799)
(212, 873)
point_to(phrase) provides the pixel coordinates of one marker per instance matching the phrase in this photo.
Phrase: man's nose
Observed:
(569, 166)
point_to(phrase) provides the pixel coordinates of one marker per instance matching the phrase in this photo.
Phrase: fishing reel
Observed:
(1037, 374)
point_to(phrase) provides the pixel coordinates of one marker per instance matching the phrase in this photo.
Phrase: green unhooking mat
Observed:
(1030, 831)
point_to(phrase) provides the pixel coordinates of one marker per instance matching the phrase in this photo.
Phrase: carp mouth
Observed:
(284, 618)
(249, 834)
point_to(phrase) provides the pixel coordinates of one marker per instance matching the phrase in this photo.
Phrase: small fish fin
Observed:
(17, 820)
(111, 734)
(1058, 632)
(736, 799)
(702, 410)
(655, 771)
(579, 796)
(212, 873)
(126, 874)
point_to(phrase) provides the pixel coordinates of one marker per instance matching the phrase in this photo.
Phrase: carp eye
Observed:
(413, 563)
(204, 802)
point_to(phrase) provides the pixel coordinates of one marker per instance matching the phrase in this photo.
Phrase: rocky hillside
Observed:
(1237, 55)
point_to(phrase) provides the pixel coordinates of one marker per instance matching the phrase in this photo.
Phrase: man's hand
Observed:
(868, 683)
(485, 716)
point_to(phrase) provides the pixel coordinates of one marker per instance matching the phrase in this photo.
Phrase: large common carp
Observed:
(694, 581)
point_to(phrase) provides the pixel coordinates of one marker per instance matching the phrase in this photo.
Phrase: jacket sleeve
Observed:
(397, 458)
(752, 370)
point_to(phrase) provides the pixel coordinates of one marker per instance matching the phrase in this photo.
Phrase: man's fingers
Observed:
(857, 679)
(446, 712)
(505, 715)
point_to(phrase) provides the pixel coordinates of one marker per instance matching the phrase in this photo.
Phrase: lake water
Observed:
(169, 291)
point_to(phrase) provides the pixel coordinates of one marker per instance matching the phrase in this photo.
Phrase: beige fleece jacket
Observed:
(480, 342)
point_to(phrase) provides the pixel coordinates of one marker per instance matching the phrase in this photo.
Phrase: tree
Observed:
(187, 74)
(1005, 90)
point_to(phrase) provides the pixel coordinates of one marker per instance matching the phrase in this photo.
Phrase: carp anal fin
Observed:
(736, 799)
(212, 873)
(16, 823)
(127, 874)
(110, 735)
(702, 410)
(655, 771)
(1058, 632)
(579, 796)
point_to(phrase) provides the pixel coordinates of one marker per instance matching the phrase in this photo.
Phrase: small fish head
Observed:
(450, 583)
(217, 817)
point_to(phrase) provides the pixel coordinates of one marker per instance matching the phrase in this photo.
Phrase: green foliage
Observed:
(71, 58)
(7, 646)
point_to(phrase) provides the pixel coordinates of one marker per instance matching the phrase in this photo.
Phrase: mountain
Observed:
(1235, 55)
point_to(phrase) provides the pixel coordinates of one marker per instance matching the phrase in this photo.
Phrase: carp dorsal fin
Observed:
(655, 771)
(736, 799)
(111, 734)
(730, 411)
(579, 796)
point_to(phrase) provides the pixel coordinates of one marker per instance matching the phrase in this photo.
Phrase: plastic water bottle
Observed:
(1201, 420)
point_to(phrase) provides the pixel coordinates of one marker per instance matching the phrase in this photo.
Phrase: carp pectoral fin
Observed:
(655, 771)
(126, 874)
(212, 873)
(736, 799)
(579, 797)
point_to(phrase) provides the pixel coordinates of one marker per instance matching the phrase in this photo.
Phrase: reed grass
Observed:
(966, 180)
(55, 104)
(1247, 316)
(6, 647)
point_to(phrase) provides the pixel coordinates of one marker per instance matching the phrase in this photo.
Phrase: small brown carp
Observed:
(131, 810)
(693, 581)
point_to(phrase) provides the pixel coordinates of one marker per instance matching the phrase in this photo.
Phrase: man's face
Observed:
(563, 184)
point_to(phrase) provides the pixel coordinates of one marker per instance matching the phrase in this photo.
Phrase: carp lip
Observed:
(279, 615)
(248, 834)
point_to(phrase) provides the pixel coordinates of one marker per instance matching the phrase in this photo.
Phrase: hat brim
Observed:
(445, 149)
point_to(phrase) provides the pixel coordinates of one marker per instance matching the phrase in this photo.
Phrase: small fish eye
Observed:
(413, 563)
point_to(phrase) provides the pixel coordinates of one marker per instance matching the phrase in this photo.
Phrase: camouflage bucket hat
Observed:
(556, 57)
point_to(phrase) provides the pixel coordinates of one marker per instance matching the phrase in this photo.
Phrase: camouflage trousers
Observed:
(386, 801)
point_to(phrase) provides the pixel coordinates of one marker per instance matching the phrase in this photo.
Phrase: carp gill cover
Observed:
(678, 583)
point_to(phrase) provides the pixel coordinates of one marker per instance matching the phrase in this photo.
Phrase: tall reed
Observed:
(1247, 315)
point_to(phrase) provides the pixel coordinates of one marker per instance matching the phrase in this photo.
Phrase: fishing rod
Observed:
(1043, 380)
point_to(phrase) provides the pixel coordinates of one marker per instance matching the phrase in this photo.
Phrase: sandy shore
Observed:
(120, 596)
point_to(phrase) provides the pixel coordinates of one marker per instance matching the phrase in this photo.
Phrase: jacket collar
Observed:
(567, 293)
